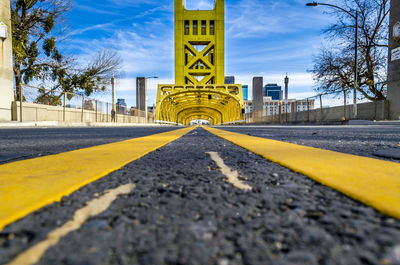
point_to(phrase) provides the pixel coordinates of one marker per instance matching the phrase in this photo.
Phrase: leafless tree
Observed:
(334, 65)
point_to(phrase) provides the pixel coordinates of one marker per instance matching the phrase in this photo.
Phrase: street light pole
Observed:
(355, 69)
(286, 96)
(355, 17)
(113, 92)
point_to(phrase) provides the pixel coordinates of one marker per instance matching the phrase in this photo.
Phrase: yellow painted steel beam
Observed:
(26, 186)
(225, 99)
(199, 68)
(371, 181)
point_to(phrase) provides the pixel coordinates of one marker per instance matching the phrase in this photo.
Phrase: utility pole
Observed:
(6, 67)
(394, 61)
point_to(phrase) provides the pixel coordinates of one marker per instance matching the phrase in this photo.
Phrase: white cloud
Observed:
(147, 45)
(298, 82)
(257, 18)
(199, 5)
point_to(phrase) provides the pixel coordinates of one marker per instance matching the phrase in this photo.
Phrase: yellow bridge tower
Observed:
(200, 91)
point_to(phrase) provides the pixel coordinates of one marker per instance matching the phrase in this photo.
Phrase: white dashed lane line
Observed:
(232, 176)
(93, 208)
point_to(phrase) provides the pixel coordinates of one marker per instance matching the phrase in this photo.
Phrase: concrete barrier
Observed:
(32, 112)
(378, 110)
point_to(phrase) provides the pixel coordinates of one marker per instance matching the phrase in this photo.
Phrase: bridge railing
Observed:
(333, 106)
(41, 104)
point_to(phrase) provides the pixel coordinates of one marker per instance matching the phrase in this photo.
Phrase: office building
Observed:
(141, 93)
(229, 80)
(274, 107)
(257, 103)
(245, 89)
(121, 106)
(274, 91)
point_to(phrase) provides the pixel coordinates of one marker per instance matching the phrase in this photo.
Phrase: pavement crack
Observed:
(93, 208)
(232, 176)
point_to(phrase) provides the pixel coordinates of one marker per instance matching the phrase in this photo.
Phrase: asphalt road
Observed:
(183, 211)
(364, 140)
(19, 144)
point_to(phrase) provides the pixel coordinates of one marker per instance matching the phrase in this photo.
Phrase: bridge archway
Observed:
(186, 116)
(220, 103)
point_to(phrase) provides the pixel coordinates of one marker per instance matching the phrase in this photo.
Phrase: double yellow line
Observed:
(26, 186)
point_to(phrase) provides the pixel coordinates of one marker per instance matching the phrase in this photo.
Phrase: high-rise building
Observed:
(258, 105)
(274, 91)
(121, 106)
(141, 93)
(229, 80)
(245, 89)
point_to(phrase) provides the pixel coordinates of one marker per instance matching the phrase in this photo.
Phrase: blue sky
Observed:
(263, 38)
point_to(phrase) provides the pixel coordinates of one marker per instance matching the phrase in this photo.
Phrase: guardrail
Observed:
(40, 104)
(334, 106)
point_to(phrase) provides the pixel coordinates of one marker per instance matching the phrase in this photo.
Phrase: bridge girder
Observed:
(223, 103)
(199, 70)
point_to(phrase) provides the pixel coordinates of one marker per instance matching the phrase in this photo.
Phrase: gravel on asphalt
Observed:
(18, 144)
(184, 212)
(363, 140)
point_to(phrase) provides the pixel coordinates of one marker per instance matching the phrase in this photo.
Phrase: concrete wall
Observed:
(394, 65)
(38, 112)
(366, 111)
(6, 71)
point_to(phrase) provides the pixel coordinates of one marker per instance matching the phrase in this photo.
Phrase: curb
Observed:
(43, 124)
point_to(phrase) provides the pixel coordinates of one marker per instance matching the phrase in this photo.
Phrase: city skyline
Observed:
(277, 39)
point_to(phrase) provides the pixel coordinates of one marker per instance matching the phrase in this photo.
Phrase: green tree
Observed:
(34, 38)
(36, 32)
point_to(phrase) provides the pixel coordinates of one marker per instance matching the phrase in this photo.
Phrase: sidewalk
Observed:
(44, 124)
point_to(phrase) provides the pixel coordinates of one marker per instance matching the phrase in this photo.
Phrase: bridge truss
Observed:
(200, 91)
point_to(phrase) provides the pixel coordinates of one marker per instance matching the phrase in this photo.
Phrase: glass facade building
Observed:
(245, 89)
(274, 91)
(229, 80)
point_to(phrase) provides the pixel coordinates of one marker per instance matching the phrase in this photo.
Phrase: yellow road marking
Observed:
(26, 186)
(371, 181)
(232, 176)
(93, 208)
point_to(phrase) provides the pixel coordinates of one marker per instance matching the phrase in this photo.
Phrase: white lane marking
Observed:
(93, 208)
(232, 176)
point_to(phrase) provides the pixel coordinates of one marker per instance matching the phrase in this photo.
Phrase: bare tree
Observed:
(93, 77)
(334, 65)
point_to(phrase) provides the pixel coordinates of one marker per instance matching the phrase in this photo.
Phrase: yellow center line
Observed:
(93, 208)
(232, 176)
(371, 181)
(26, 186)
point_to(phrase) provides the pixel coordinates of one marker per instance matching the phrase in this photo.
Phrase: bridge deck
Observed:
(195, 197)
